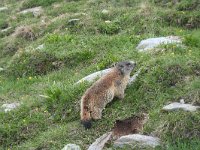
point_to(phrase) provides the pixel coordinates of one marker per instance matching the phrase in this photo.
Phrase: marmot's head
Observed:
(126, 66)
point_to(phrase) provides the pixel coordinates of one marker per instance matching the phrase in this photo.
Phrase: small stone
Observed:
(137, 140)
(152, 43)
(134, 77)
(182, 101)
(40, 47)
(3, 8)
(37, 11)
(92, 77)
(100, 142)
(176, 106)
(5, 30)
(107, 21)
(9, 107)
(71, 147)
(104, 11)
(73, 21)
(1, 69)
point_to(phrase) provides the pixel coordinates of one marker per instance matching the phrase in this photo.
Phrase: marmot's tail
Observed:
(85, 114)
(87, 124)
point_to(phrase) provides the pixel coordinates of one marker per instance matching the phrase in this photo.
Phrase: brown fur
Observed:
(101, 93)
(130, 125)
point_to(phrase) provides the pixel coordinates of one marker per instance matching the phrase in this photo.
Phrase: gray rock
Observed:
(181, 105)
(40, 47)
(1, 69)
(137, 140)
(37, 11)
(134, 77)
(73, 21)
(3, 8)
(92, 77)
(104, 11)
(5, 30)
(9, 107)
(71, 147)
(107, 21)
(100, 142)
(152, 43)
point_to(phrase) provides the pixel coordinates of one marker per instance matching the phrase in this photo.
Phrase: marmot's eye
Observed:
(128, 64)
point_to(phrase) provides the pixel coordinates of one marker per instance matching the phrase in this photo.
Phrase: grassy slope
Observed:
(90, 45)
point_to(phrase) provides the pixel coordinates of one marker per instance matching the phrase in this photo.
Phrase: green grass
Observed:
(72, 51)
(34, 3)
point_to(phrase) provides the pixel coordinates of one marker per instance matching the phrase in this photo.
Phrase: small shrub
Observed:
(107, 61)
(25, 32)
(3, 24)
(192, 40)
(189, 20)
(78, 57)
(31, 63)
(62, 103)
(109, 28)
(55, 38)
(20, 125)
(186, 5)
(34, 3)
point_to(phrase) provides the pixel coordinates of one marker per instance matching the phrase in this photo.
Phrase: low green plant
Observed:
(31, 63)
(34, 3)
(63, 102)
(18, 126)
(109, 28)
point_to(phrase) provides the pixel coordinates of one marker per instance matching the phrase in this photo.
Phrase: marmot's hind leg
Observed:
(96, 113)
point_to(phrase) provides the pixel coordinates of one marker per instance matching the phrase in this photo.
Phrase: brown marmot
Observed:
(104, 90)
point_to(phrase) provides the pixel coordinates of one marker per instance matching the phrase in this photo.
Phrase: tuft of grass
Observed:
(20, 125)
(35, 3)
(25, 32)
(31, 63)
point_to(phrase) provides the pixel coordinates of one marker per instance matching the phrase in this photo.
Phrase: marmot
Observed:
(104, 90)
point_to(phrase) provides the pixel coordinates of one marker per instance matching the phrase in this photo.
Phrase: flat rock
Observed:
(152, 43)
(9, 107)
(100, 142)
(3, 8)
(71, 147)
(108, 21)
(181, 105)
(73, 21)
(37, 11)
(137, 140)
(105, 11)
(134, 77)
(40, 47)
(5, 30)
(1, 69)
(92, 77)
